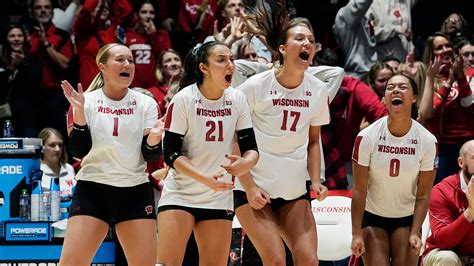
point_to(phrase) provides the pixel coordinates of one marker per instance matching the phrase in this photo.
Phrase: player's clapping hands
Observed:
(75, 98)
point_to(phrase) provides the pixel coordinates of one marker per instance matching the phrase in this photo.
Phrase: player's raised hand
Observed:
(75, 98)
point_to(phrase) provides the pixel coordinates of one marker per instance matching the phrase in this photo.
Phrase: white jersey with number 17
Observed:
(282, 118)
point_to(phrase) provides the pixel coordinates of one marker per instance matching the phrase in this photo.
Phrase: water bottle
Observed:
(36, 200)
(8, 129)
(55, 199)
(24, 206)
(45, 207)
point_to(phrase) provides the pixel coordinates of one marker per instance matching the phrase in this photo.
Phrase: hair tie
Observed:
(196, 49)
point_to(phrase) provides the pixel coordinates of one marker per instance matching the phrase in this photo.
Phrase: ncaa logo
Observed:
(149, 209)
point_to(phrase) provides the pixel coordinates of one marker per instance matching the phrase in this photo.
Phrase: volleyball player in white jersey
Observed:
(394, 169)
(116, 129)
(288, 106)
(201, 122)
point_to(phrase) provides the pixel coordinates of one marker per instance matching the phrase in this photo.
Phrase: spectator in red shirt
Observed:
(196, 17)
(169, 73)
(53, 48)
(96, 26)
(446, 108)
(451, 215)
(146, 42)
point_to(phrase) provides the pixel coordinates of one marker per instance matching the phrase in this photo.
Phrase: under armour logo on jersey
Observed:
(149, 209)
(197, 101)
(273, 92)
(308, 93)
(382, 138)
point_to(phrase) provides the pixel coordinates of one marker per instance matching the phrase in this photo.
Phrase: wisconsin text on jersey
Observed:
(119, 111)
(214, 113)
(291, 102)
(396, 150)
(140, 47)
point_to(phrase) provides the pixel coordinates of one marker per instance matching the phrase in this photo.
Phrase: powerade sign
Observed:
(11, 169)
(27, 231)
(11, 144)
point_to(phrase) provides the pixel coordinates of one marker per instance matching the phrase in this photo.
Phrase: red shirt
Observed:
(86, 31)
(362, 102)
(52, 74)
(452, 123)
(145, 51)
(449, 227)
(159, 93)
(190, 14)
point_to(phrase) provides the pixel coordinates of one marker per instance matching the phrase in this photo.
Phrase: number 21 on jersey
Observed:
(214, 131)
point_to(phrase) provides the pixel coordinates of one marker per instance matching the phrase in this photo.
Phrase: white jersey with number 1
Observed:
(208, 127)
(394, 164)
(117, 132)
(282, 118)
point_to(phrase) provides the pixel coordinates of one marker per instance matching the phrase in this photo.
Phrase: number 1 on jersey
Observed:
(294, 114)
(115, 132)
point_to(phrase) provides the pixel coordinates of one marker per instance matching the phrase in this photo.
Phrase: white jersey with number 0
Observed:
(394, 164)
(208, 127)
(117, 131)
(282, 118)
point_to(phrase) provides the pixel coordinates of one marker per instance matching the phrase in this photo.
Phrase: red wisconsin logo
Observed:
(397, 13)
(149, 209)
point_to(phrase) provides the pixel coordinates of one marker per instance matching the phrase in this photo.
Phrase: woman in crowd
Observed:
(146, 43)
(272, 201)
(394, 167)
(95, 26)
(169, 74)
(456, 27)
(20, 77)
(379, 73)
(201, 122)
(115, 131)
(54, 163)
(446, 108)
